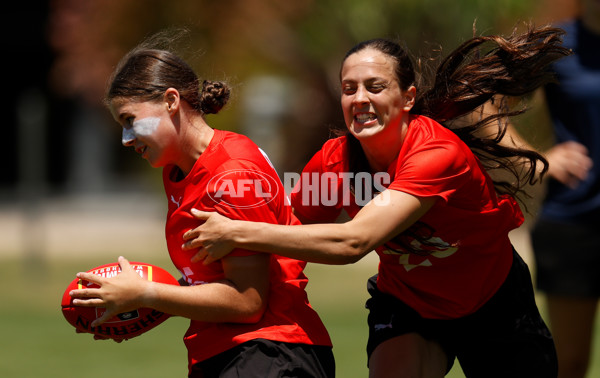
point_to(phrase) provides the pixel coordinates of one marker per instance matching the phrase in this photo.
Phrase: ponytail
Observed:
(483, 69)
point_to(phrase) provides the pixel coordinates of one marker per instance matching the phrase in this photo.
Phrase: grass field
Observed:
(38, 342)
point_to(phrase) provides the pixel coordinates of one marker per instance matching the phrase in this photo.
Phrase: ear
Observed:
(410, 95)
(172, 100)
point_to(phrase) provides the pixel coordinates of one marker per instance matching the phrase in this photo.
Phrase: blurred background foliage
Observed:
(282, 57)
(71, 197)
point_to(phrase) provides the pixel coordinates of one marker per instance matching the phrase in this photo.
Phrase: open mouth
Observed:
(141, 150)
(365, 117)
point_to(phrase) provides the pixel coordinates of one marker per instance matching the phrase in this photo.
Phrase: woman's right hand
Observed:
(211, 238)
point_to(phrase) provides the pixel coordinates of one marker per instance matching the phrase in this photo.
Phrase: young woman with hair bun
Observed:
(249, 313)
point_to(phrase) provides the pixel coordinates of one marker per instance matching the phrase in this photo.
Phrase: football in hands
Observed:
(122, 326)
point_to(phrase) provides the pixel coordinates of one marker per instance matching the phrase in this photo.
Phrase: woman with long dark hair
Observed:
(449, 283)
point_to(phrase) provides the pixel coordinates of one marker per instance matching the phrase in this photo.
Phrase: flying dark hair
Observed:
(482, 69)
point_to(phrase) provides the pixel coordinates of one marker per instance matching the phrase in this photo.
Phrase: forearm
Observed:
(325, 243)
(329, 243)
(212, 302)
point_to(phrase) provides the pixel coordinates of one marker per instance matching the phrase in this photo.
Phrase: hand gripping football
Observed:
(125, 325)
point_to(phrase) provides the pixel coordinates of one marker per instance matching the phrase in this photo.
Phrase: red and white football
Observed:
(125, 325)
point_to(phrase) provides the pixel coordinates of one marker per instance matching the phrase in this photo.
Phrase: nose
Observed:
(128, 138)
(360, 96)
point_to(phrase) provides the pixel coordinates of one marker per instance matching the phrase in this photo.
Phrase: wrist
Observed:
(238, 234)
(149, 294)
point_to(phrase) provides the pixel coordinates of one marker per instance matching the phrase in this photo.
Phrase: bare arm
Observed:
(240, 298)
(328, 243)
(568, 162)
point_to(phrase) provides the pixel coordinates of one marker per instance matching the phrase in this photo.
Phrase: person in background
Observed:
(416, 188)
(249, 313)
(565, 237)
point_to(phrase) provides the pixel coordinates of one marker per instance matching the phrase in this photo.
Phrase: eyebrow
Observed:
(368, 81)
(124, 115)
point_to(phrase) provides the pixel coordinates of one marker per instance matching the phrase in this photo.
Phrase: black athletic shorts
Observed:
(567, 258)
(505, 338)
(262, 358)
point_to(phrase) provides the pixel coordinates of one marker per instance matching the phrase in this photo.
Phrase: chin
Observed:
(154, 163)
(365, 132)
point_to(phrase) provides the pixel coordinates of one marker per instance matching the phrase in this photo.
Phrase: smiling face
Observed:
(372, 101)
(148, 129)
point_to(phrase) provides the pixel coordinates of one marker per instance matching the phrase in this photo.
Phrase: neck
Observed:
(196, 136)
(380, 159)
(381, 152)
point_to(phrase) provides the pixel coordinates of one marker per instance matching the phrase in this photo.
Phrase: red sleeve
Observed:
(432, 167)
(308, 199)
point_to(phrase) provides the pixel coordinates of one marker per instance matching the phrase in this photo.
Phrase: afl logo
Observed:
(243, 188)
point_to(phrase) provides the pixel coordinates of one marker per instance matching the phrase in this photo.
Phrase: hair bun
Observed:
(214, 96)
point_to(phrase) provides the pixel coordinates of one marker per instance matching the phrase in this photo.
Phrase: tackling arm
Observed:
(390, 213)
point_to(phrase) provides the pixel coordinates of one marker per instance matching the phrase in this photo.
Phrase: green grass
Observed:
(36, 341)
(338, 293)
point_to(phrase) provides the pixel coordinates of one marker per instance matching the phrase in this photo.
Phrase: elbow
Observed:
(251, 312)
(353, 249)
(251, 316)
(351, 244)
(353, 258)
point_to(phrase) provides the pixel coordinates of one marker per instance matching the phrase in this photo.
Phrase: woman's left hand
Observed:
(121, 293)
(569, 163)
(212, 238)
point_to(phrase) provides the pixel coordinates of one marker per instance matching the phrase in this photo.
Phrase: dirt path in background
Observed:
(96, 225)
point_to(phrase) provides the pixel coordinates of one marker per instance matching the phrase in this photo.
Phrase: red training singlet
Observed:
(453, 259)
(234, 178)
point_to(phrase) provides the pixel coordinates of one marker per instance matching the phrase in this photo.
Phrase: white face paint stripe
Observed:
(128, 136)
(145, 126)
(142, 127)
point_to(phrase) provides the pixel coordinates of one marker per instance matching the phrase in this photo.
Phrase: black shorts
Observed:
(505, 338)
(262, 358)
(567, 258)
